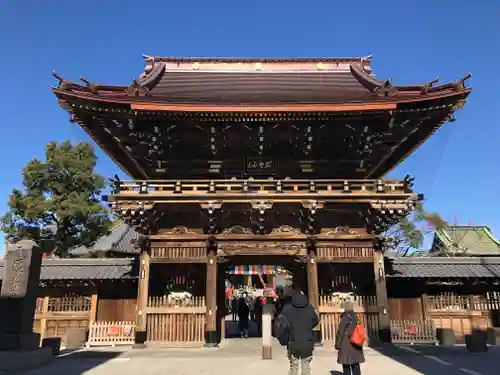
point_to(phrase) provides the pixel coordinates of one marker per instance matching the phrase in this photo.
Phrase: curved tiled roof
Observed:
(258, 81)
(84, 269)
(121, 239)
(443, 267)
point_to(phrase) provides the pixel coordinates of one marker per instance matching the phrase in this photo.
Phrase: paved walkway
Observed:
(242, 357)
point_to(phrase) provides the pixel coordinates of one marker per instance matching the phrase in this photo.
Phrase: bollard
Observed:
(266, 331)
(446, 336)
(476, 342)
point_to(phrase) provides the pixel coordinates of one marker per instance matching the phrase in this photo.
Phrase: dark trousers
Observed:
(351, 369)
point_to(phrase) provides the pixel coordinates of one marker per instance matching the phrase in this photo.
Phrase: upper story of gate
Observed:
(223, 118)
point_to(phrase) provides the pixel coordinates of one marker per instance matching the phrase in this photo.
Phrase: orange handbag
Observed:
(359, 335)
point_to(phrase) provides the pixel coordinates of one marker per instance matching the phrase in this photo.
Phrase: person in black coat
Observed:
(243, 315)
(349, 355)
(302, 318)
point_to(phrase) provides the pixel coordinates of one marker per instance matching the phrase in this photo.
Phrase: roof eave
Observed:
(150, 104)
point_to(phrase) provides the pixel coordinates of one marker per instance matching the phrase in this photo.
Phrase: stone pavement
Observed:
(242, 357)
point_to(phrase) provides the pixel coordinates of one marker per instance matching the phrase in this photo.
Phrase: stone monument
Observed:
(18, 296)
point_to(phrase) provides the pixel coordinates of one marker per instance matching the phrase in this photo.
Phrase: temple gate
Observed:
(258, 161)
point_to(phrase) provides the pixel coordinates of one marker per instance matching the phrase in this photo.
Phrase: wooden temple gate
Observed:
(183, 318)
(240, 157)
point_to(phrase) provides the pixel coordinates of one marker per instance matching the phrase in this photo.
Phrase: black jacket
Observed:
(348, 354)
(303, 318)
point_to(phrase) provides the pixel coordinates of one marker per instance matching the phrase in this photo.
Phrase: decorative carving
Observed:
(262, 206)
(261, 248)
(142, 220)
(237, 229)
(211, 207)
(180, 231)
(340, 230)
(285, 229)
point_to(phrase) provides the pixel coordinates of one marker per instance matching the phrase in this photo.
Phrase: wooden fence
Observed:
(330, 308)
(462, 313)
(413, 332)
(176, 322)
(111, 333)
(54, 316)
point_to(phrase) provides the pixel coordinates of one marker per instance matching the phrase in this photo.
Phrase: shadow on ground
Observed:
(76, 362)
(232, 330)
(436, 360)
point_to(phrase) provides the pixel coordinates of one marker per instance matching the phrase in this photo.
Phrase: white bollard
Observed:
(267, 337)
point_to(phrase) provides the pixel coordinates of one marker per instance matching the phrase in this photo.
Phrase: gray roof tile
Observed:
(86, 269)
(121, 239)
(444, 267)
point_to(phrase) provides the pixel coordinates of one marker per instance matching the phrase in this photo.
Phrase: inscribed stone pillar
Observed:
(142, 299)
(267, 338)
(18, 296)
(313, 289)
(211, 336)
(381, 291)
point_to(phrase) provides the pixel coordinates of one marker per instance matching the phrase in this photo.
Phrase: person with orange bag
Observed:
(349, 341)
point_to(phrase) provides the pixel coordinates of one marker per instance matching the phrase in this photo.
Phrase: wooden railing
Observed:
(166, 302)
(449, 302)
(413, 332)
(345, 253)
(111, 333)
(453, 302)
(361, 304)
(179, 252)
(176, 322)
(193, 187)
(331, 307)
(69, 304)
(55, 315)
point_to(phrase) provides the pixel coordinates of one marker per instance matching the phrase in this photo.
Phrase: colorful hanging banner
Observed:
(256, 269)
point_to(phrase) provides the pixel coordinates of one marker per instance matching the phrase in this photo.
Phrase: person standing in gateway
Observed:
(349, 355)
(302, 318)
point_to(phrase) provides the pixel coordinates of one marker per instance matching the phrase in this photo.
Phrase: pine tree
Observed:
(59, 205)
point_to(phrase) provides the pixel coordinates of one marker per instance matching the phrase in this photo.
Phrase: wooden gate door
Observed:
(176, 323)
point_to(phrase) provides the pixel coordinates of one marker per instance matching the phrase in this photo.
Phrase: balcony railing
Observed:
(164, 188)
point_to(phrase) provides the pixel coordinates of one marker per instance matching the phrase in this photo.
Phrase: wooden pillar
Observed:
(93, 308)
(312, 287)
(142, 298)
(425, 306)
(211, 336)
(381, 292)
(43, 320)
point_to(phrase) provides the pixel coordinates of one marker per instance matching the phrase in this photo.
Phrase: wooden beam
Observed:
(178, 260)
(381, 106)
(93, 308)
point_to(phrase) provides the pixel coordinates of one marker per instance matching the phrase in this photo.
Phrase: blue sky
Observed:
(412, 41)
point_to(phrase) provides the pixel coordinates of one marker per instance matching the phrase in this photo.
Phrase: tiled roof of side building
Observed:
(444, 267)
(120, 239)
(84, 269)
